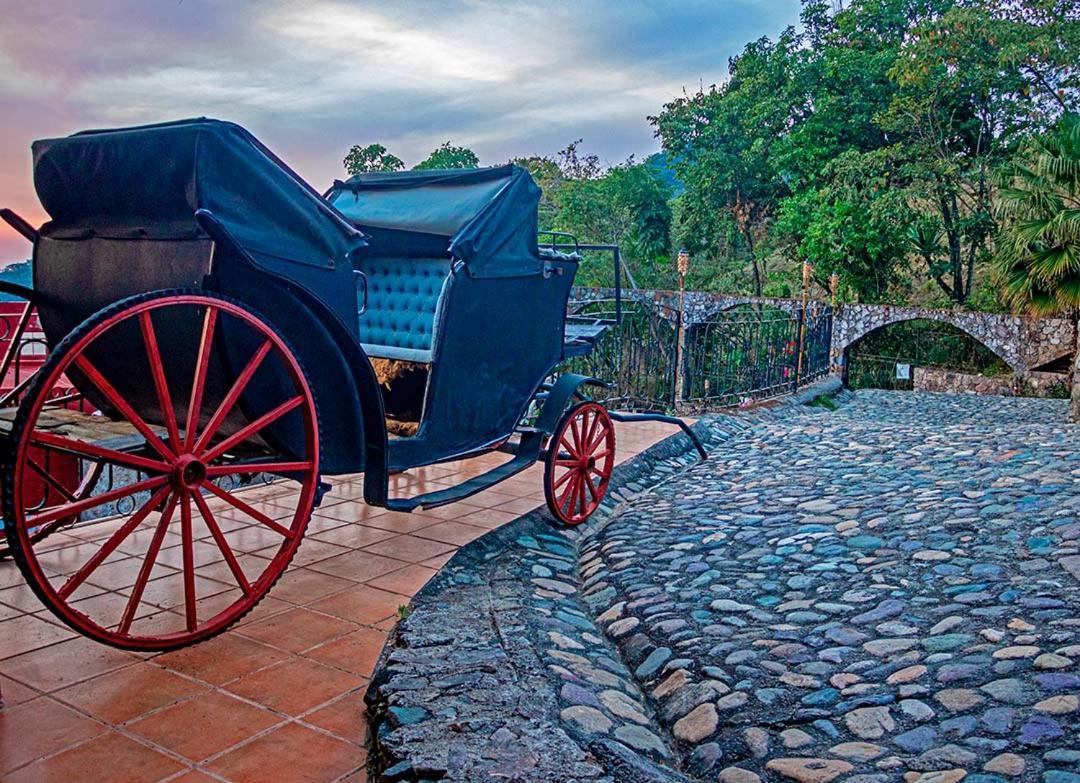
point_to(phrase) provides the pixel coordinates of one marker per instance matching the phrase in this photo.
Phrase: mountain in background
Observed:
(19, 273)
(658, 162)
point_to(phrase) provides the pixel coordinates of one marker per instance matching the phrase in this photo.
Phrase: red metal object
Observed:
(179, 469)
(23, 351)
(580, 459)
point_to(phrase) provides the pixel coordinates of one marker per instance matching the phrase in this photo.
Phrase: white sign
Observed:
(903, 372)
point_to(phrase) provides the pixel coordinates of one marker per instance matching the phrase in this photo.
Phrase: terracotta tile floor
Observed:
(277, 698)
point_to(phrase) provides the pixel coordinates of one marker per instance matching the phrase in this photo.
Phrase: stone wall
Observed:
(936, 379)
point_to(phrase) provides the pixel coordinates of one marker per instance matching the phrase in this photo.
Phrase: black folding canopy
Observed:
(147, 182)
(483, 217)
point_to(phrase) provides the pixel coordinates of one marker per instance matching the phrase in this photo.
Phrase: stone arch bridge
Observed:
(1025, 343)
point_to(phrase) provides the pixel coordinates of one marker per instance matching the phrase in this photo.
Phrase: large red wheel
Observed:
(203, 395)
(579, 462)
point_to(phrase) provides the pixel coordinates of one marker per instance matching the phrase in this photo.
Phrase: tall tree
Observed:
(447, 156)
(373, 157)
(720, 142)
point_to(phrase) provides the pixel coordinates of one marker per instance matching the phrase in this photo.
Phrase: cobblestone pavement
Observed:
(884, 592)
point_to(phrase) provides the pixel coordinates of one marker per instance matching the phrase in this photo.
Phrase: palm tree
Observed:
(1038, 247)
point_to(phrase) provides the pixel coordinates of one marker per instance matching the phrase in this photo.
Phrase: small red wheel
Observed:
(579, 462)
(195, 393)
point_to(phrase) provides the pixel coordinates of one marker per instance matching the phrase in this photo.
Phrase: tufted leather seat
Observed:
(403, 298)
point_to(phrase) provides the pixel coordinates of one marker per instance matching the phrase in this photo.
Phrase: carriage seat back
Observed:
(404, 297)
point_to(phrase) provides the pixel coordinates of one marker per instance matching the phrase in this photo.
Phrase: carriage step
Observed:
(523, 460)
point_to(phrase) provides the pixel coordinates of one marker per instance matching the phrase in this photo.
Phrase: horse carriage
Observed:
(214, 325)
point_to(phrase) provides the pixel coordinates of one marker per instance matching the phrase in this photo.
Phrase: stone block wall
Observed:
(1039, 384)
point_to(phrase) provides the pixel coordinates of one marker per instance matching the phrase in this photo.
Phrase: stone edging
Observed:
(501, 672)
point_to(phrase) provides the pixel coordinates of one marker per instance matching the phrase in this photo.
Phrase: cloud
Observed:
(506, 77)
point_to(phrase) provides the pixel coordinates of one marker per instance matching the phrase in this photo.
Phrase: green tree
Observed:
(626, 205)
(852, 224)
(373, 157)
(1038, 250)
(721, 141)
(447, 156)
(937, 91)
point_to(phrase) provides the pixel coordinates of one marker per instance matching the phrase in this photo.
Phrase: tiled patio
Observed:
(277, 698)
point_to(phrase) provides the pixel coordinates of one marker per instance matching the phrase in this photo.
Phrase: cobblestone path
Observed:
(890, 591)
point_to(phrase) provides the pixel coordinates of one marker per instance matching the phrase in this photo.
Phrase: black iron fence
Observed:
(658, 359)
(637, 353)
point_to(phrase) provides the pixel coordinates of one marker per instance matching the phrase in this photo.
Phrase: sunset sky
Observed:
(504, 77)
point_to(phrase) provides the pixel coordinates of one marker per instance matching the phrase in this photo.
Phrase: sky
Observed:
(310, 78)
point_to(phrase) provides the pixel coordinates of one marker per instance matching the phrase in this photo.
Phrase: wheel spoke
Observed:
(573, 452)
(592, 429)
(576, 434)
(237, 503)
(562, 479)
(223, 545)
(148, 565)
(190, 612)
(115, 540)
(257, 467)
(198, 384)
(94, 452)
(570, 490)
(157, 369)
(123, 407)
(230, 399)
(599, 438)
(247, 431)
(71, 509)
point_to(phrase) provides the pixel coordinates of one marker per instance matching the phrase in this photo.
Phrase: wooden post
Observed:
(806, 272)
(683, 266)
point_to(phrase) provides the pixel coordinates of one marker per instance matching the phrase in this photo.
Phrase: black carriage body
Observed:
(456, 283)
(446, 263)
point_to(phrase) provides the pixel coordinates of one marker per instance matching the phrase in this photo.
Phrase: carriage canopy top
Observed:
(146, 182)
(485, 217)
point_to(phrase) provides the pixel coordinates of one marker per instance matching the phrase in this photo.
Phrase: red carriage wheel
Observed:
(580, 459)
(195, 393)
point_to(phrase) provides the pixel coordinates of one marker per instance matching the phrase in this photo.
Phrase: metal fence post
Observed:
(806, 270)
(683, 263)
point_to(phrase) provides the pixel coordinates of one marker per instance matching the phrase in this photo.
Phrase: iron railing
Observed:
(749, 352)
(636, 354)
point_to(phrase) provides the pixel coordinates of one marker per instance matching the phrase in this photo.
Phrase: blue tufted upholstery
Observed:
(403, 297)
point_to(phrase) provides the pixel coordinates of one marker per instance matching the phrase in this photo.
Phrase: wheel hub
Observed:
(189, 472)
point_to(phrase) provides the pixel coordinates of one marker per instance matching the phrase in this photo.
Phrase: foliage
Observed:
(627, 205)
(868, 143)
(1038, 252)
(824, 401)
(852, 224)
(373, 157)
(447, 156)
